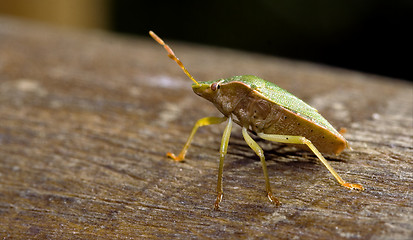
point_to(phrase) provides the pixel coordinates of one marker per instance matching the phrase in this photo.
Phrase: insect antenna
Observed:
(172, 55)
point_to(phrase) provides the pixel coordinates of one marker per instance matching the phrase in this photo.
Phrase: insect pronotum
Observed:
(266, 110)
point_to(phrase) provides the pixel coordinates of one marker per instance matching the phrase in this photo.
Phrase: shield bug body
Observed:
(270, 112)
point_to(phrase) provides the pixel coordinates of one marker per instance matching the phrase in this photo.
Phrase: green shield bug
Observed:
(270, 112)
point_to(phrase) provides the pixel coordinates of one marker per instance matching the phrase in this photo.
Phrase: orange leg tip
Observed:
(218, 201)
(342, 131)
(273, 199)
(354, 186)
(176, 158)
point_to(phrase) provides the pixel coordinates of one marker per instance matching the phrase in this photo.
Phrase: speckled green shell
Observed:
(279, 96)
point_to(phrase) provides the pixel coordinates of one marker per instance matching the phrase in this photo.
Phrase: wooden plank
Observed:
(86, 120)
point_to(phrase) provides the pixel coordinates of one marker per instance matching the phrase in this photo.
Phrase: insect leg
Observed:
(303, 140)
(201, 122)
(258, 150)
(222, 153)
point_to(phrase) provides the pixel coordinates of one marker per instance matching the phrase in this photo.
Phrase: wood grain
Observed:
(87, 117)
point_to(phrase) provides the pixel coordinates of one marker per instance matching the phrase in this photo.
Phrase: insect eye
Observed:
(215, 86)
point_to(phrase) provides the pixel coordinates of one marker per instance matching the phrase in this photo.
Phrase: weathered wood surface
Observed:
(86, 119)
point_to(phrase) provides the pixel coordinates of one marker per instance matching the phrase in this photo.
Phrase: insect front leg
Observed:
(222, 152)
(258, 150)
(201, 122)
(303, 140)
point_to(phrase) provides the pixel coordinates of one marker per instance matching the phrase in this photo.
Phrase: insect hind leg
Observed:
(303, 140)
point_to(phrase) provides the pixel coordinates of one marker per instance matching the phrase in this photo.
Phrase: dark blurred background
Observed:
(372, 36)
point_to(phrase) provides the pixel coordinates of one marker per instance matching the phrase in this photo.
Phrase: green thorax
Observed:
(277, 95)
